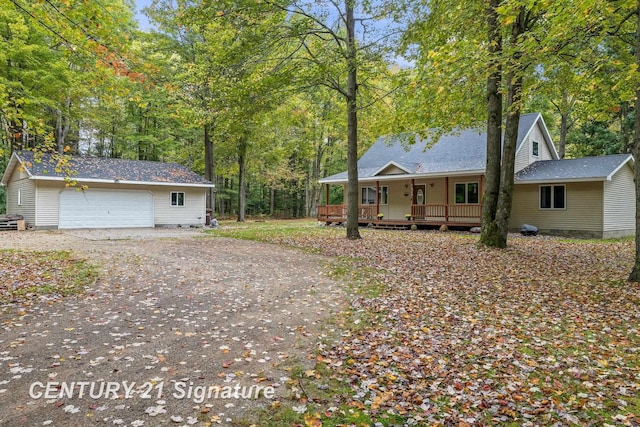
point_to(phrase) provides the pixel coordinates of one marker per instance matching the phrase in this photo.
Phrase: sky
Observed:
(142, 20)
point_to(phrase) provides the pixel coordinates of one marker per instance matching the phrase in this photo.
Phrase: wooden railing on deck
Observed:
(332, 212)
(339, 212)
(367, 212)
(465, 211)
(445, 213)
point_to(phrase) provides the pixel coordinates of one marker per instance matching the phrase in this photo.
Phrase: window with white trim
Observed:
(19, 197)
(177, 198)
(535, 148)
(368, 195)
(467, 193)
(553, 197)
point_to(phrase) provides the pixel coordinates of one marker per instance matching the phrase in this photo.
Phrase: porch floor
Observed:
(399, 223)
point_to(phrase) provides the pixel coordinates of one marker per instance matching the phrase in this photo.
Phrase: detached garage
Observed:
(51, 191)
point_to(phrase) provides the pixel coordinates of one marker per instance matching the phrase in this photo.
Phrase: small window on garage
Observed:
(177, 198)
(535, 149)
(19, 197)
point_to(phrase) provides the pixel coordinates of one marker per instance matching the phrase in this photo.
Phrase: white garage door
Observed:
(105, 209)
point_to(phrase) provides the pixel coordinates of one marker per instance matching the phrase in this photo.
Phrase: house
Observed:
(110, 193)
(441, 182)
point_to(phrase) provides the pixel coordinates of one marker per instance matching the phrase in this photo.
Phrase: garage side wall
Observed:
(47, 203)
(192, 213)
(25, 203)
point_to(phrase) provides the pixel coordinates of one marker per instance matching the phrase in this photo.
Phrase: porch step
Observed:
(391, 227)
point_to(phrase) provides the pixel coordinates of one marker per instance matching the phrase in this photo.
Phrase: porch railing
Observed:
(441, 212)
(332, 212)
(447, 212)
(339, 212)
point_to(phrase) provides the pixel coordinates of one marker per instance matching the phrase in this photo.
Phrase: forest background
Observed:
(252, 94)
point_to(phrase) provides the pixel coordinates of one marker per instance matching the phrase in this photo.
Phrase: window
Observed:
(369, 195)
(467, 192)
(19, 197)
(535, 148)
(177, 198)
(552, 197)
(384, 195)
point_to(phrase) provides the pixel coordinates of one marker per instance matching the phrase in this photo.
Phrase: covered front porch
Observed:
(436, 201)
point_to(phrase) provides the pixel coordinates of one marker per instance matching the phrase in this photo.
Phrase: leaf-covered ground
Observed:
(25, 275)
(545, 332)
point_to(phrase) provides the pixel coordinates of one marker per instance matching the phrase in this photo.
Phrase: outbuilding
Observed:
(58, 191)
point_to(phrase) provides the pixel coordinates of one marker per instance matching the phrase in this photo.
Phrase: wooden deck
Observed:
(422, 215)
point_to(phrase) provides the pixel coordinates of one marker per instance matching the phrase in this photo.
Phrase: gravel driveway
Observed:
(180, 329)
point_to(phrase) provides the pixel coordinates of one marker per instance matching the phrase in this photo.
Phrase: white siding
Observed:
(47, 203)
(619, 204)
(524, 156)
(193, 213)
(583, 213)
(20, 182)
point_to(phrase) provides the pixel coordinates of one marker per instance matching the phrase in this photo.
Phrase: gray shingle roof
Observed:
(459, 151)
(99, 168)
(586, 168)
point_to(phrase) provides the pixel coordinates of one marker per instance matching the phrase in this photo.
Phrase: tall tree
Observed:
(634, 276)
(494, 124)
(494, 232)
(336, 45)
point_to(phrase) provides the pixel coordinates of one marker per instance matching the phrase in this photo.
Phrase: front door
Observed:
(419, 200)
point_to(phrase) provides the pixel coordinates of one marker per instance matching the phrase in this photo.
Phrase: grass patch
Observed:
(627, 239)
(266, 231)
(25, 274)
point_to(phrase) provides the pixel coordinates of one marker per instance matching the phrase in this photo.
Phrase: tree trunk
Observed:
(209, 167)
(505, 196)
(352, 126)
(635, 272)
(242, 153)
(314, 187)
(272, 201)
(497, 231)
(564, 120)
(564, 109)
(489, 234)
(62, 125)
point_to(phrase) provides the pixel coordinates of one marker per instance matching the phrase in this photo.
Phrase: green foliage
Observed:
(595, 139)
(54, 53)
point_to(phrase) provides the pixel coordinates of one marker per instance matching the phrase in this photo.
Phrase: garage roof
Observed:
(600, 168)
(55, 167)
